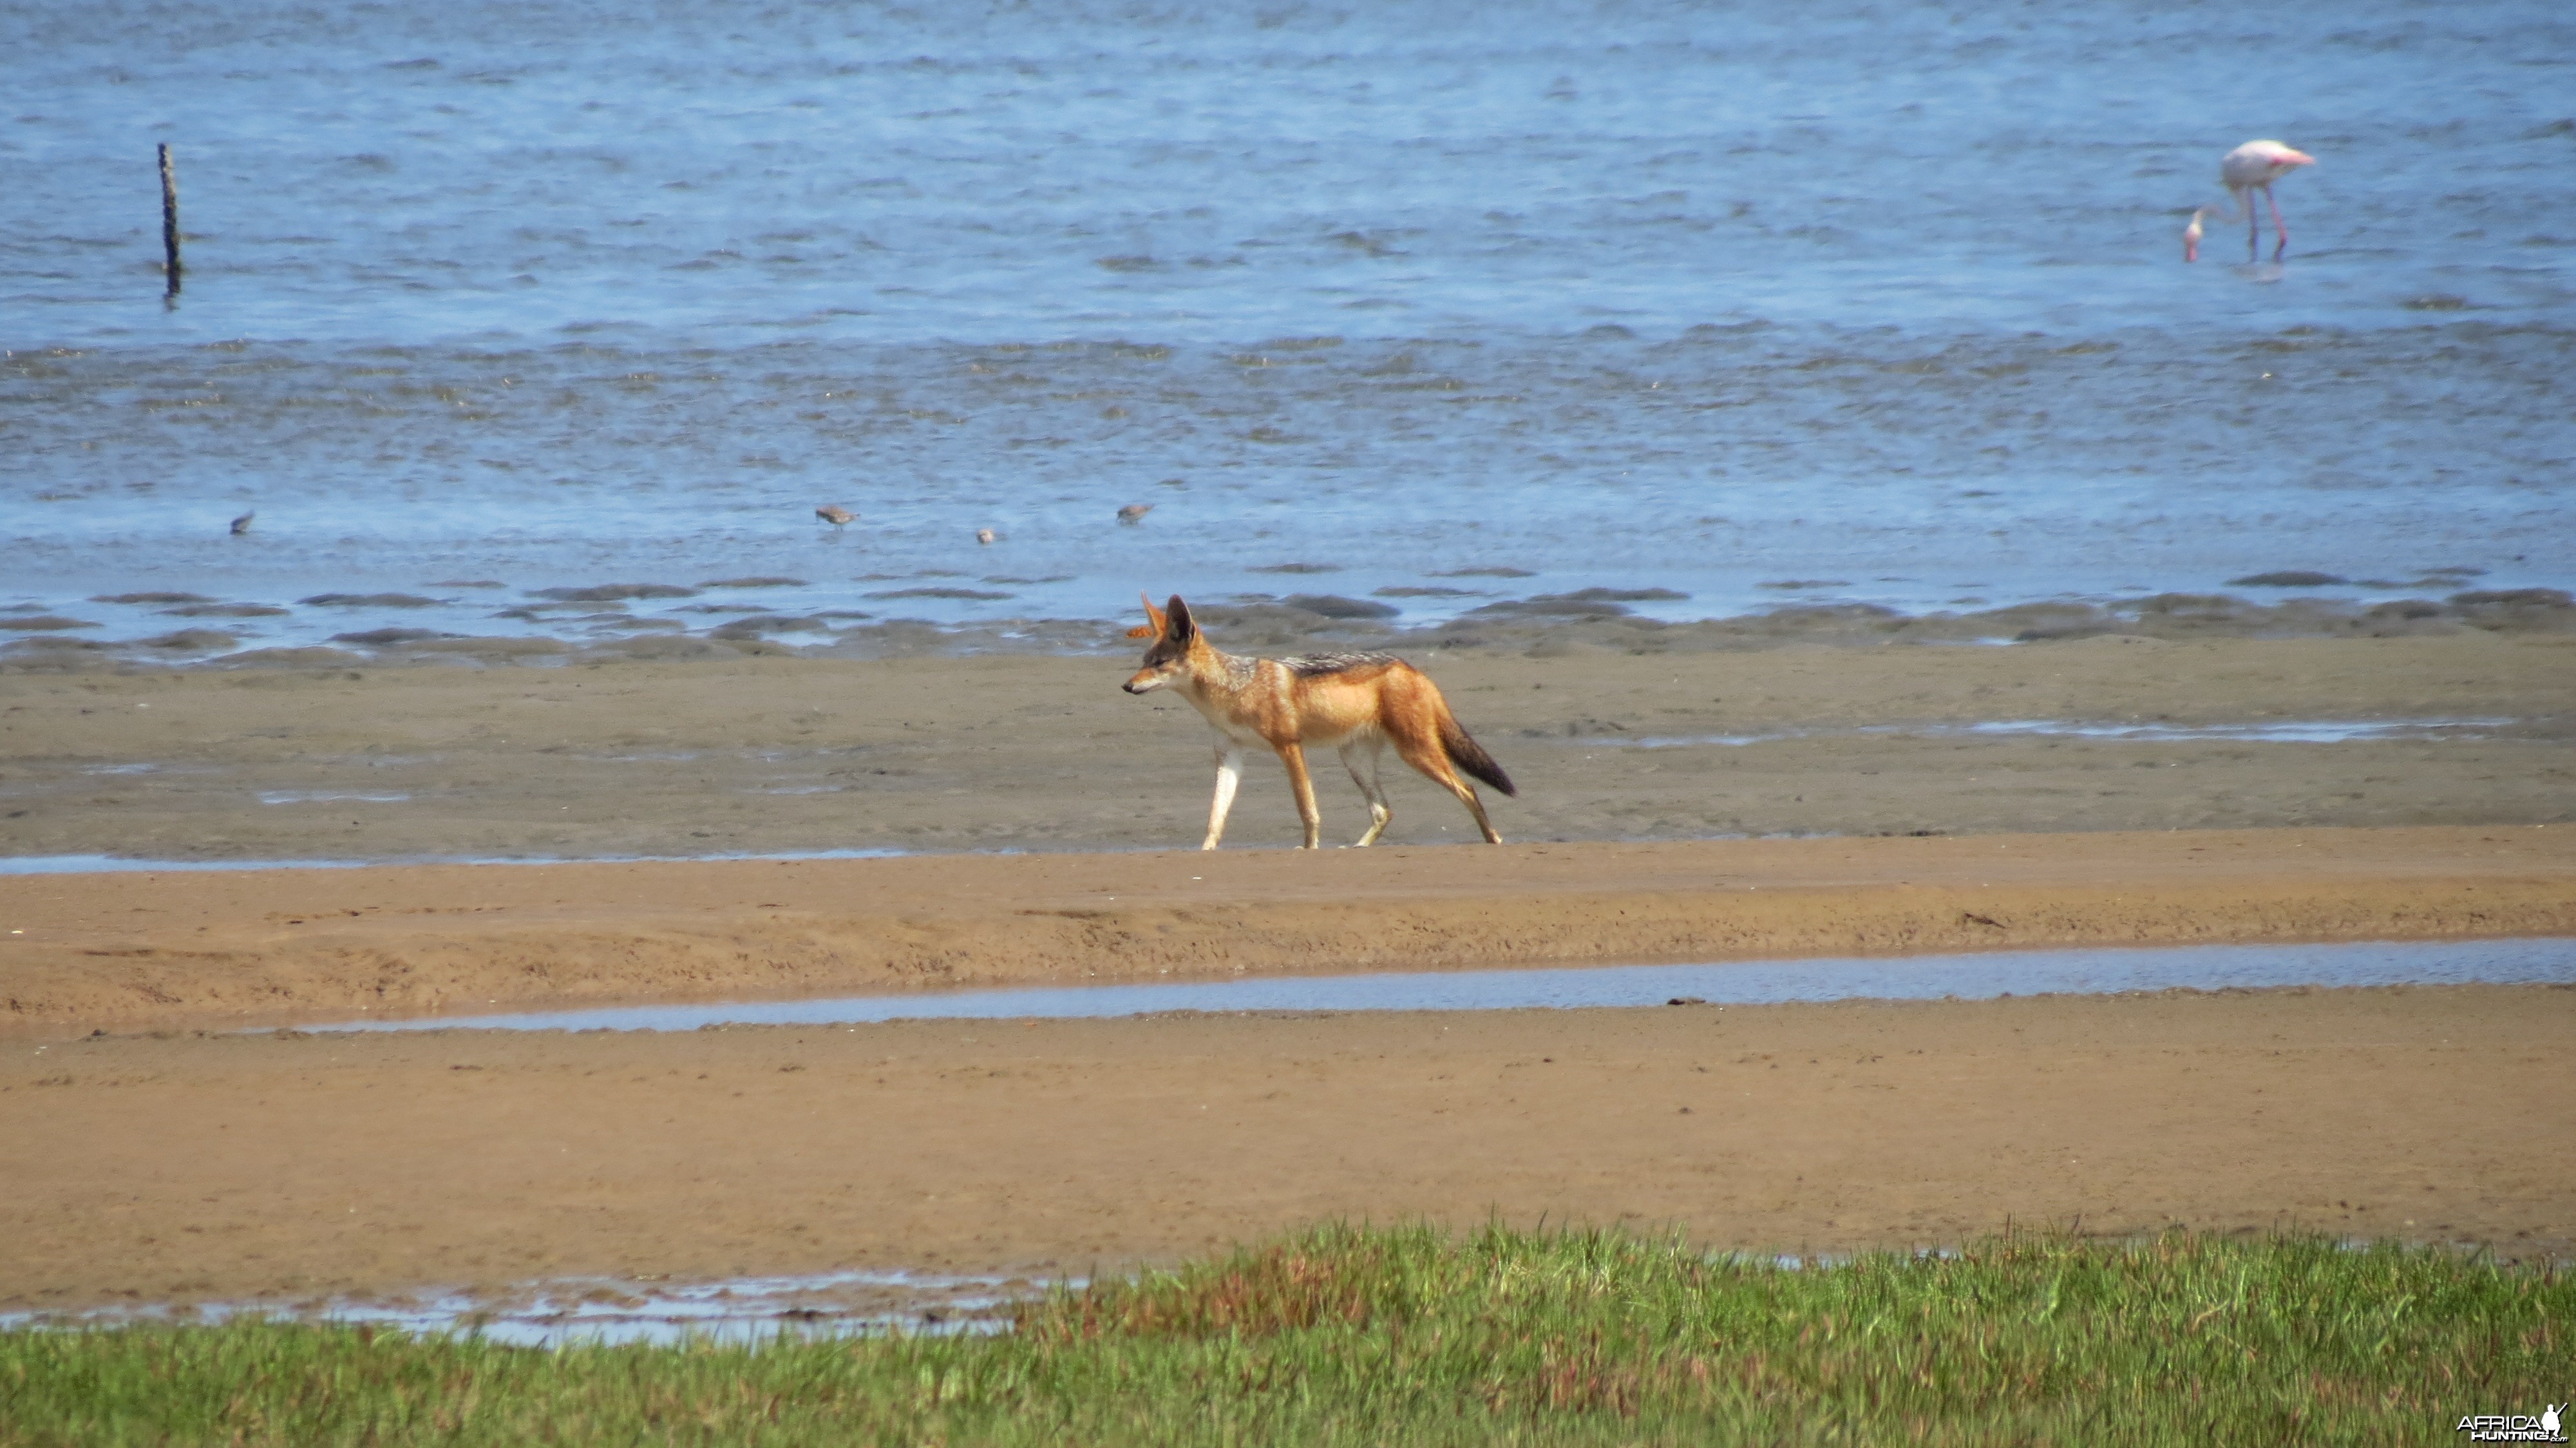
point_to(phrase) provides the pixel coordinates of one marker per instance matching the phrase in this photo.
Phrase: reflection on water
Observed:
(1921, 977)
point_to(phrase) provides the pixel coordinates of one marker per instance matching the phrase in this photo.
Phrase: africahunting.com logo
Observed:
(2514, 1427)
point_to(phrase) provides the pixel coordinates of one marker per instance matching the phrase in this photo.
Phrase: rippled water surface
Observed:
(1731, 306)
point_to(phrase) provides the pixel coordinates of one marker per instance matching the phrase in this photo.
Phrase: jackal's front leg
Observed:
(1294, 756)
(1229, 773)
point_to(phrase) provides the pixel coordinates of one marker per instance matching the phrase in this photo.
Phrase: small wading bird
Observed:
(241, 524)
(1134, 512)
(836, 515)
(2249, 168)
(1354, 703)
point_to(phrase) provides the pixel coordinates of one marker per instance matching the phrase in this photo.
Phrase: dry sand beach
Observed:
(164, 1161)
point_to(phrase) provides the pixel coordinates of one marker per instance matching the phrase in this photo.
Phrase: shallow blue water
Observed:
(1882, 301)
(1917, 977)
(1221, 173)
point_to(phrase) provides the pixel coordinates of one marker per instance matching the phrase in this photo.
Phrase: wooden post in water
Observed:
(169, 223)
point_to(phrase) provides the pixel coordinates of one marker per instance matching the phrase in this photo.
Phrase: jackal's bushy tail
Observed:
(1470, 756)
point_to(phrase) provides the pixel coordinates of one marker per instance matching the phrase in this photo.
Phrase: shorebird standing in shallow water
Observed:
(836, 515)
(2249, 168)
(1134, 512)
(241, 524)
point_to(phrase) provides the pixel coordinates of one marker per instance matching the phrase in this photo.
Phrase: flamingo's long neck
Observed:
(2238, 199)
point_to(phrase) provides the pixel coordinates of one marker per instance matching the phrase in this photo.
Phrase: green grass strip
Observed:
(1347, 1335)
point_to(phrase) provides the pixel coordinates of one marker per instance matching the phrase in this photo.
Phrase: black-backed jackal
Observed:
(1356, 703)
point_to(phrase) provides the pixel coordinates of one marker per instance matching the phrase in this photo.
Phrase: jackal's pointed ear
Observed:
(1178, 625)
(1153, 625)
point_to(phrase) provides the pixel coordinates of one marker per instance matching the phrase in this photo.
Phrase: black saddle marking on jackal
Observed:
(1310, 666)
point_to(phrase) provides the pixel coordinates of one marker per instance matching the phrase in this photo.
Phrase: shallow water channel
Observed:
(1980, 975)
(558, 1311)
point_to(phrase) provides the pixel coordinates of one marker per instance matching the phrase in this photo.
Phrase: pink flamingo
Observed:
(2251, 167)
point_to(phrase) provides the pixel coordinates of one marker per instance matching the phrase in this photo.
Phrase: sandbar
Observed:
(289, 1168)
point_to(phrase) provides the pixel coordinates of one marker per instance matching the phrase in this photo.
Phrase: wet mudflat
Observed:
(805, 756)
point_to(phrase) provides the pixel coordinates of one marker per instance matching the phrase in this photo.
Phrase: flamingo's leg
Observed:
(2253, 222)
(2282, 231)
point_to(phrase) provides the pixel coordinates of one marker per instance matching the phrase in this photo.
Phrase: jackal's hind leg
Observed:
(1433, 763)
(1294, 756)
(1229, 773)
(1354, 755)
(1476, 807)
